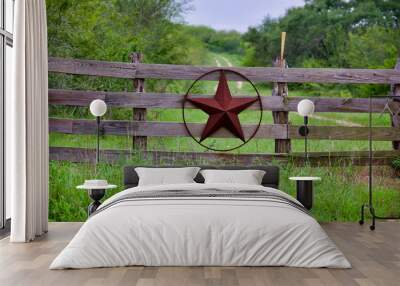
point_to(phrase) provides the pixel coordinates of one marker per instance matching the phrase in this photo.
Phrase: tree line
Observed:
(331, 33)
(322, 33)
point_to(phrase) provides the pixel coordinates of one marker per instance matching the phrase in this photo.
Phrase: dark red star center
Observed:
(223, 110)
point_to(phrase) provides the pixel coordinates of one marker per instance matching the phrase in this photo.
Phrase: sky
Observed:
(236, 14)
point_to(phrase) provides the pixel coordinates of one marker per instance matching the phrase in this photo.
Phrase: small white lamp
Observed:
(98, 108)
(305, 108)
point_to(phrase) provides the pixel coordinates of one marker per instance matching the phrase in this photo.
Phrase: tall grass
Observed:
(337, 197)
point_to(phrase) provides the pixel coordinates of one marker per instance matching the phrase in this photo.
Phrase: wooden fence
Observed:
(279, 104)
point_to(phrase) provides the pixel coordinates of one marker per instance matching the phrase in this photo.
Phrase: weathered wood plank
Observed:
(154, 128)
(256, 74)
(61, 126)
(169, 100)
(80, 155)
(263, 74)
(347, 133)
(171, 129)
(91, 67)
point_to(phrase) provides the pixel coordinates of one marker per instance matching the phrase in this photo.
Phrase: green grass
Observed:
(337, 197)
(66, 203)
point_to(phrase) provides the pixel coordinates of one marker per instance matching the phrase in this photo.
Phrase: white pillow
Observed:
(248, 177)
(166, 176)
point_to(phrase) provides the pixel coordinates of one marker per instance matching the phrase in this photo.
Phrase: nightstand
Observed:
(304, 190)
(96, 190)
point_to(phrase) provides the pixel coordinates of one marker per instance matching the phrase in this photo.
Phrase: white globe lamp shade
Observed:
(305, 107)
(98, 107)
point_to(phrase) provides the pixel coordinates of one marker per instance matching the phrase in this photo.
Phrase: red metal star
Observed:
(223, 110)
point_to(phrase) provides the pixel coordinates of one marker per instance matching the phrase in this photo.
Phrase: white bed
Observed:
(202, 231)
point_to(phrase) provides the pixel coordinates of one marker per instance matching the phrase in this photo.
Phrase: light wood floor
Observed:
(375, 257)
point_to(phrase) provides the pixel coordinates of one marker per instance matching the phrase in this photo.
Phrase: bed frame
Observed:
(270, 179)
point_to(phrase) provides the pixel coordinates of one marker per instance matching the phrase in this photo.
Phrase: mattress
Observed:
(201, 225)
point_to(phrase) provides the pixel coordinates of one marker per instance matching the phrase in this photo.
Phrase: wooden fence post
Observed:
(281, 117)
(395, 119)
(139, 114)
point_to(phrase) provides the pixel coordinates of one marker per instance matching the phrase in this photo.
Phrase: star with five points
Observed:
(223, 110)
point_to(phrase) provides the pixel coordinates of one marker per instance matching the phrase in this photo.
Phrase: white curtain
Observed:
(27, 124)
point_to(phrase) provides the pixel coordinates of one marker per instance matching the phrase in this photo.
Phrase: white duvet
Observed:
(200, 231)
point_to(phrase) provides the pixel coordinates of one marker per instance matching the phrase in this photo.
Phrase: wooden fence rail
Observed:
(171, 129)
(256, 74)
(282, 131)
(355, 158)
(151, 100)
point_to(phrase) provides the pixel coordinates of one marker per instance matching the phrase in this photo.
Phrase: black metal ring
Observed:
(187, 94)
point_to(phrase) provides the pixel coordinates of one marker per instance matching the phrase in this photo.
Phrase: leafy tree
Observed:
(331, 33)
(320, 30)
(112, 29)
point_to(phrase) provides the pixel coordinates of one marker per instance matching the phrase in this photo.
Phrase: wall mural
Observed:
(223, 109)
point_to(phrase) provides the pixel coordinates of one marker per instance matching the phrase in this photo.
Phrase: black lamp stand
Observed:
(303, 131)
(96, 195)
(98, 140)
(370, 205)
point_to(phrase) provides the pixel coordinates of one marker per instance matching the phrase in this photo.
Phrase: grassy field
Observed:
(337, 197)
